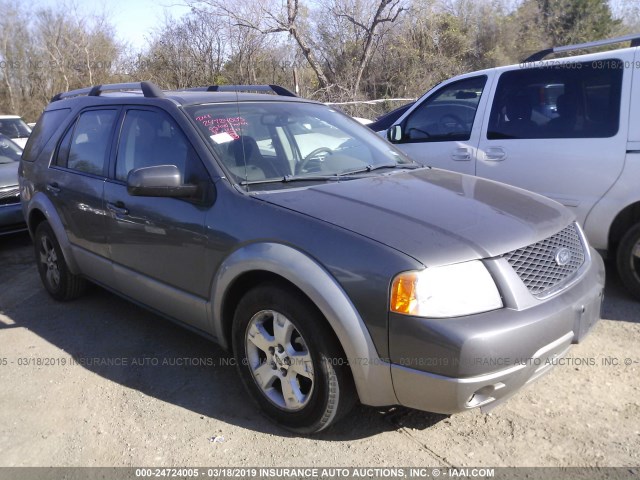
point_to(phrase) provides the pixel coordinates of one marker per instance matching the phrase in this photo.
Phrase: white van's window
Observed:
(568, 100)
(448, 114)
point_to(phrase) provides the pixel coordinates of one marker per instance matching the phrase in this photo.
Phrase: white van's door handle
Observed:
(462, 154)
(495, 154)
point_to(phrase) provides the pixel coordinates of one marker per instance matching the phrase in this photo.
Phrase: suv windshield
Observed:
(14, 128)
(265, 142)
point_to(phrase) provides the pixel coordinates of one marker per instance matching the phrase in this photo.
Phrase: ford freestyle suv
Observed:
(333, 267)
(567, 128)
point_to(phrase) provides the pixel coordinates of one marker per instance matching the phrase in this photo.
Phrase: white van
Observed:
(568, 128)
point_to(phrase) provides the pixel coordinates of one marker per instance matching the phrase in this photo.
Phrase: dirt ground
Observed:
(59, 407)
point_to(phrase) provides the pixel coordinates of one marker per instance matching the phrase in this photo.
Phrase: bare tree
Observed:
(368, 18)
(48, 51)
(74, 50)
(269, 17)
(184, 53)
(15, 57)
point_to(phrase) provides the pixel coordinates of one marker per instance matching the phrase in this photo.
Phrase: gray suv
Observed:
(334, 268)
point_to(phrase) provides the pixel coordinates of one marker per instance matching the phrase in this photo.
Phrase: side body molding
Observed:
(40, 202)
(371, 374)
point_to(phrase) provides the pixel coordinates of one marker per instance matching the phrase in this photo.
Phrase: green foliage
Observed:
(574, 21)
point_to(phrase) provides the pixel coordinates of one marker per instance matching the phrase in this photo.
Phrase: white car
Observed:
(15, 128)
(11, 217)
(568, 128)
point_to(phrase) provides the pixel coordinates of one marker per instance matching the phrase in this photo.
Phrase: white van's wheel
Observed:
(629, 260)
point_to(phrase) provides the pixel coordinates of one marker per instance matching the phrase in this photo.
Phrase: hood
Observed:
(435, 216)
(9, 174)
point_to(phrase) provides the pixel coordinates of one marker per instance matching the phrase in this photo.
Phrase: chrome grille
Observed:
(537, 266)
(9, 196)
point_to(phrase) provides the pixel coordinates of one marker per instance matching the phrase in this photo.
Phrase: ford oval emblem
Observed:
(563, 256)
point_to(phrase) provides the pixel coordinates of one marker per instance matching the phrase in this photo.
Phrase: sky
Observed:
(134, 20)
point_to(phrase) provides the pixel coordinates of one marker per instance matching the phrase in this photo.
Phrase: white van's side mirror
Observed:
(394, 133)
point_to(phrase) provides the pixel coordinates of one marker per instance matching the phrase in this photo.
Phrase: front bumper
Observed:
(11, 219)
(452, 365)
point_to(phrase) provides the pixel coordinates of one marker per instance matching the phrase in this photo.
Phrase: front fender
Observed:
(371, 374)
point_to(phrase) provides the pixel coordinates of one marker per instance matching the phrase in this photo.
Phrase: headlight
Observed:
(449, 291)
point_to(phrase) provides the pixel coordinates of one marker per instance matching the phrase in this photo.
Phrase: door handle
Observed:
(53, 187)
(118, 208)
(495, 154)
(462, 154)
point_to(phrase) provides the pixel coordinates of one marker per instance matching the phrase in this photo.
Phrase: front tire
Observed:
(54, 271)
(290, 361)
(628, 258)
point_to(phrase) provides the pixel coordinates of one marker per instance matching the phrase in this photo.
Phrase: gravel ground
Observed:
(56, 411)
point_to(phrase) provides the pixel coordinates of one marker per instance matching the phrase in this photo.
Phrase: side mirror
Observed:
(394, 134)
(158, 181)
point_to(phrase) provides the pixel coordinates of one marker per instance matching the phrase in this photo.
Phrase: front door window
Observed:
(448, 114)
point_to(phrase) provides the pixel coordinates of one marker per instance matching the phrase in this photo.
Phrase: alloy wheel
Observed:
(49, 259)
(279, 360)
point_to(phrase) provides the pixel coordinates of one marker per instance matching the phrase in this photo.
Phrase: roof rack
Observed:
(633, 38)
(277, 89)
(148, 89)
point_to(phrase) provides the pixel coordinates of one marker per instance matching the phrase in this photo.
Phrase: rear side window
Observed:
(47, 124)
(448, 114)
(571, 100)
(91, 141)
(62, 156)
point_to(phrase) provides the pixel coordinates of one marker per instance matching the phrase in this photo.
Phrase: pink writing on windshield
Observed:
(231, 125)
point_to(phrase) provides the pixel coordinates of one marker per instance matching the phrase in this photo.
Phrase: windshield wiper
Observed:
(293, 178)
(371, 168)
(334, 177)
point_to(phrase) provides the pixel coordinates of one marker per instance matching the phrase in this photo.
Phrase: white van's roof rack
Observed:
(633, 38)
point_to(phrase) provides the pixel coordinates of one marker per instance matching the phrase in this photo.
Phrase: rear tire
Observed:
(290, 361)
(54, 271)
(628, 258)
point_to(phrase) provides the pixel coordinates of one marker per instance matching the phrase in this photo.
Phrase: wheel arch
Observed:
(257, 263)
(41, 209)
(36, 217)
(624, 220)
(243, 283)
